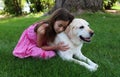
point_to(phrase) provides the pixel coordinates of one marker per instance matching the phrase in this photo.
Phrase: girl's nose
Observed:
(61, 29)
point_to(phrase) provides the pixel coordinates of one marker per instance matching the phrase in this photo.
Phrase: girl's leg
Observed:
(38, 52)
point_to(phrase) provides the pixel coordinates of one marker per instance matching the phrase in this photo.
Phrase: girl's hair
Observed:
(59, 14)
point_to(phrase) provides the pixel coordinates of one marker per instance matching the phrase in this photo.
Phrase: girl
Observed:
(34, 40)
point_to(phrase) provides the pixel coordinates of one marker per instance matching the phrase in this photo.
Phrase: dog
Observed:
(75, 35)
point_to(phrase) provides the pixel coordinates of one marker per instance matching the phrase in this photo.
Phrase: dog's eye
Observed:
(81, 27)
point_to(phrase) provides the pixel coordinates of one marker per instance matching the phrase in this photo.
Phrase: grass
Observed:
(104, 50)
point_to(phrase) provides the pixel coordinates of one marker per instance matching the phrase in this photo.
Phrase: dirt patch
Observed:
(2, 16)
(113, 11)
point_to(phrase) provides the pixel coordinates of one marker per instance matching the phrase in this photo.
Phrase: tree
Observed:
(39, 5)
(78, 5)
(109, 3)
(35, 5)
(13, 7)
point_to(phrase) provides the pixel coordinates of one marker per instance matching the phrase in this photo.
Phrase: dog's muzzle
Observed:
(87, 39)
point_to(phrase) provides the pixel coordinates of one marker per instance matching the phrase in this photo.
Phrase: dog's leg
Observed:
(87, 60)
(83, 64)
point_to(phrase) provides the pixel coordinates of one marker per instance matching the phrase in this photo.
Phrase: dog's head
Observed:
(79, 30)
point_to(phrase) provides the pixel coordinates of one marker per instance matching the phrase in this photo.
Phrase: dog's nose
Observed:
(91, 33)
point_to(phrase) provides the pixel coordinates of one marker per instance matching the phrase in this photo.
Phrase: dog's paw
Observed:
(92, 69)
(95, 66)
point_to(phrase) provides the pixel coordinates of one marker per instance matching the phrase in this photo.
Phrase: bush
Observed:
(109, 3)
(13, 7)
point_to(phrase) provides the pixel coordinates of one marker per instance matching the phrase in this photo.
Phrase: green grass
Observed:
(104, 50)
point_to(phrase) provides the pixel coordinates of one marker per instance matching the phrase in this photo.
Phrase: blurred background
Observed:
(25, 7)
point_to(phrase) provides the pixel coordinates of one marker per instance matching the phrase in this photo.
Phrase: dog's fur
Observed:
(75, 35)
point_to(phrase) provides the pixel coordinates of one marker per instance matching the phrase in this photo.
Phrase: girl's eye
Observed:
(60, 25)
(81, 27)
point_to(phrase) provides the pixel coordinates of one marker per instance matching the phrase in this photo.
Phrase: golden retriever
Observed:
(75, 35)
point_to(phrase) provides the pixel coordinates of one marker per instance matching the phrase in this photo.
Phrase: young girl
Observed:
(34, 40)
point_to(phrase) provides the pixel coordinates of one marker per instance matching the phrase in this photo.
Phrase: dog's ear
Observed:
(69, 31)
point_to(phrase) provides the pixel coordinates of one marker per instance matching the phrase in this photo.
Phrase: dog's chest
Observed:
(62, 37)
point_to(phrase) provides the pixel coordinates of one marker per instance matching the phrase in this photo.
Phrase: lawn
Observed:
(104, 50)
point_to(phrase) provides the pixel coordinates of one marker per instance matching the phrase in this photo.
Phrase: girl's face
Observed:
(60, 26)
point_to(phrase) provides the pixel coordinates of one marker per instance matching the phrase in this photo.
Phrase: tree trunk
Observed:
(78, 6)
(17, 7)
(38, 5)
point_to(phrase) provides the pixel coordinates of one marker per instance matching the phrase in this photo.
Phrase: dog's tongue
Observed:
(87, 39)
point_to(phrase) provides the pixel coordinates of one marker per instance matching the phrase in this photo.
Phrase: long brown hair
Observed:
(59, 14)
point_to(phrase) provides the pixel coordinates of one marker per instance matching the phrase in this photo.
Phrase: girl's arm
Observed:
(40, 42)
(59, 46)
(49, 48)
(40, 34)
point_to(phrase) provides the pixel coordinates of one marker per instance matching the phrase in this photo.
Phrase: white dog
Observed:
(75, 35)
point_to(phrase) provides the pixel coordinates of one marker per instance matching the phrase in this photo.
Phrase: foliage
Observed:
(40, 5)
(13, 7)
(48, 4)
(2, 12)
(109, 3)
(35, 5)
(104, 49)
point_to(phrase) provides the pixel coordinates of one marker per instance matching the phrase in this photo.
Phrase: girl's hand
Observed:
(61, 46)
